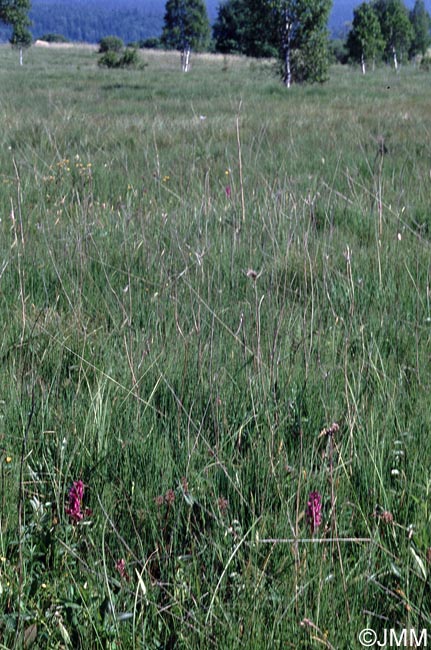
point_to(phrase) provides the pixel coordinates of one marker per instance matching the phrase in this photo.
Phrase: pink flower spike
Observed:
(78, 487)
(314, 511)
(228, 191)
(121, 568)
(76, 496)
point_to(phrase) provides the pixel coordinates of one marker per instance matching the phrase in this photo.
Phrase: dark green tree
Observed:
(247, 27)
(230, 28)
(15, 14)
(293, 30)
(396, 28)
(421, 23)
(365, 40)
(186, 27)
(263, 30)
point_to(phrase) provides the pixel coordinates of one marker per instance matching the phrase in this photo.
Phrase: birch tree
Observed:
(293, 30)
(15, 14)
(365, 41)
(396, 28)
(186, 27)
(304, 44)
(421, 23)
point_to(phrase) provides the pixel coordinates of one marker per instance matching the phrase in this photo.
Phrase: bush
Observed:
(111, 59)
(425, 64)
(129, 59)
(110, 44)
(54, 38)
(151, 44)
(338, 51)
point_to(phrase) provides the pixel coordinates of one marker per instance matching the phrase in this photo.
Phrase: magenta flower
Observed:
(314, 511)
(76, 496)
(228, 191)
(121, 568)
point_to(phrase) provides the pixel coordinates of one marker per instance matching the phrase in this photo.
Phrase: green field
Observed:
(201, 274)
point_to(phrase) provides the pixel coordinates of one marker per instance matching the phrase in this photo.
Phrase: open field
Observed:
(215, 300)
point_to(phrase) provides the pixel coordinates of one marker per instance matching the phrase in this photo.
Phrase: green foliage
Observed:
(186, 25)
(54, 38)
(15, 14)
(21, 37)
(230, 28)
(128, 58)
(114, 54)
(247, 27)
(425, 63)
(109, 60)
(110, 44)
(421, 24)
(304, 47)
(262, 33)
(294, 30)
(365, 41)
(396, 28)
(338, 51)
(151, 44)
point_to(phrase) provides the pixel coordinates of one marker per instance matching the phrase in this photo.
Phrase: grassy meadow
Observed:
(215, 300)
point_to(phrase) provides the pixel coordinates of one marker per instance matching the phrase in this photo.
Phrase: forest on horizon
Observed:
(134, 20)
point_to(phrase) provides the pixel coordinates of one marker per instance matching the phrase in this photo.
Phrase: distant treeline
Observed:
(90, 21)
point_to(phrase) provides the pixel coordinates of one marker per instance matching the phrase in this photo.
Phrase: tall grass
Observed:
(201, 275)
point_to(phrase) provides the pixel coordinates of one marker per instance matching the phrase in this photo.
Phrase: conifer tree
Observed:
(231, 27)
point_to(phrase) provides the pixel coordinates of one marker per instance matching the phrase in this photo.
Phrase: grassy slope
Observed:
(140, 356)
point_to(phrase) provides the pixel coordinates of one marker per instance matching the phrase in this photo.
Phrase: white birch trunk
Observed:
(287, 52)
(185, 60)
(363, 63)
(394, 52)
(20, 55)
(287, 70)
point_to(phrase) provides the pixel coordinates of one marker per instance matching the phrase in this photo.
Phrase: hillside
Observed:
(90, 21)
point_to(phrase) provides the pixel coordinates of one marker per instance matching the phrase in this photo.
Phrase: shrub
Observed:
(338, 51)
(111, 59)
(425, 64)
(129, 59)
(110, 44)
(54, 38)
(151, 44)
